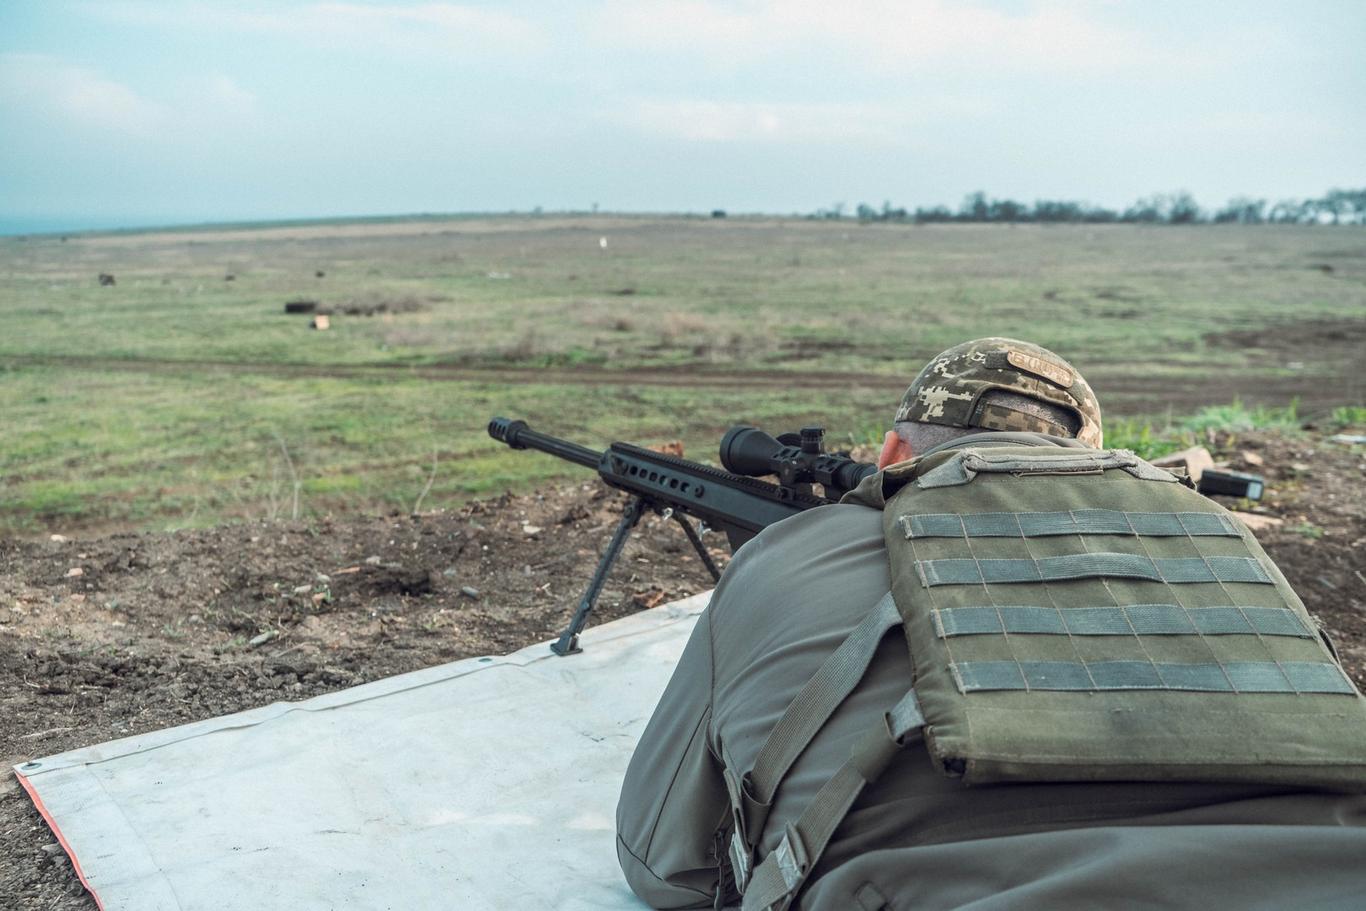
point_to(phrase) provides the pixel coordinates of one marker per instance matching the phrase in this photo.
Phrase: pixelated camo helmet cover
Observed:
(949, 390)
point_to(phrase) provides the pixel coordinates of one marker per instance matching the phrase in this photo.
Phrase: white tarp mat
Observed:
(485, 783)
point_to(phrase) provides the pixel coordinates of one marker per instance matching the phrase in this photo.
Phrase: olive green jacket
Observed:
(916, 838)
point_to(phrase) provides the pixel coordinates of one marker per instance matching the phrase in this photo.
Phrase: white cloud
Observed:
(884, 34)
(54, 91)
(77, 95)
(229, 97)
(420, 28)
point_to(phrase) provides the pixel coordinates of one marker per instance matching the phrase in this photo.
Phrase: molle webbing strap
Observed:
(966, 464)
(1122, 620)
(1074, 522)
(1081, 676)
(808, 712)
(1179, 570)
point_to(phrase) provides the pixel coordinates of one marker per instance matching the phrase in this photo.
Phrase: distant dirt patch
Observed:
(373, 306)
(1116, 293)
(1332, 340)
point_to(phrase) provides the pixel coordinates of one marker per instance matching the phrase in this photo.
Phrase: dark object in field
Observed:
(729, 500)
(301, 305)
(106, 279)
(718, 213)
(370, 308)
(1231, 484)
(624, 292)
(230, 277)
(319, 274)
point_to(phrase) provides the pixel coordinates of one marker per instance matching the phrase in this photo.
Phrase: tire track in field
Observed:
(1126, 391)
(540, 376)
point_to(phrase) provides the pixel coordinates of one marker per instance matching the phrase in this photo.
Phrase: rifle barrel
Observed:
(519, 436)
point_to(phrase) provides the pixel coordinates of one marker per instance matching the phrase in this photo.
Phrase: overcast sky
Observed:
(115, 112)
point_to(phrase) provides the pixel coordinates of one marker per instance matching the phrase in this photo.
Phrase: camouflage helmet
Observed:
(949, 390)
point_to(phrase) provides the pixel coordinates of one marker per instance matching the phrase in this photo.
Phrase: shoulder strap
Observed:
(752, 795)
(780, 876)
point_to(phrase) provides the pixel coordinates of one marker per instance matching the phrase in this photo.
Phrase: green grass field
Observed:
(178, 398)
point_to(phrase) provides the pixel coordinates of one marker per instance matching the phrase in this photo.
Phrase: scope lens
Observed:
(748, 451)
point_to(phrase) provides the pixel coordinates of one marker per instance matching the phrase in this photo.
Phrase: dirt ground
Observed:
(108, 636)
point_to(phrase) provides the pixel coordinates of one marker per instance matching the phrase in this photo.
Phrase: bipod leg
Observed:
(568, 642)
(697, 546)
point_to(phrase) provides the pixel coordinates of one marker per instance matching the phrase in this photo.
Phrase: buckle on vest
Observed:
(740, 860)
(790, 856)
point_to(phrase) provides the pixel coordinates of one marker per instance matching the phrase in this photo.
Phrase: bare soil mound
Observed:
(109, 636)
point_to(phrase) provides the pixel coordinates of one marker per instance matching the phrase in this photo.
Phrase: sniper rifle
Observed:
(731, 500)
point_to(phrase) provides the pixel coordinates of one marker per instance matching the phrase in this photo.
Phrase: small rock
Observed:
(1299, 467)
(373, 561)
(449, 573)
(263, 638)
(1251, 458)
(1350, 439)
(531, 529)
(323, 578)
(650, 598)
(302, 589)
(51, 849)
(58, 539)
(469, 592)
(335, 675)
(74, 571)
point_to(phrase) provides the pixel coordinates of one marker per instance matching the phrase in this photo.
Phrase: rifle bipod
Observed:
(568, 643)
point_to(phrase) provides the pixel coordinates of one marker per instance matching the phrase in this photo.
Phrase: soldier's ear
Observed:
(894, 449)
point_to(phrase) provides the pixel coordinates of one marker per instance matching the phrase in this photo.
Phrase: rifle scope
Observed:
(794, 458)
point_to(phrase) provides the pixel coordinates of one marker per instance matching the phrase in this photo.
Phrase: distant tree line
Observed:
(1336, 207)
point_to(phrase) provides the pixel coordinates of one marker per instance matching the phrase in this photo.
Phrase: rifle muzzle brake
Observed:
(507, 431)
